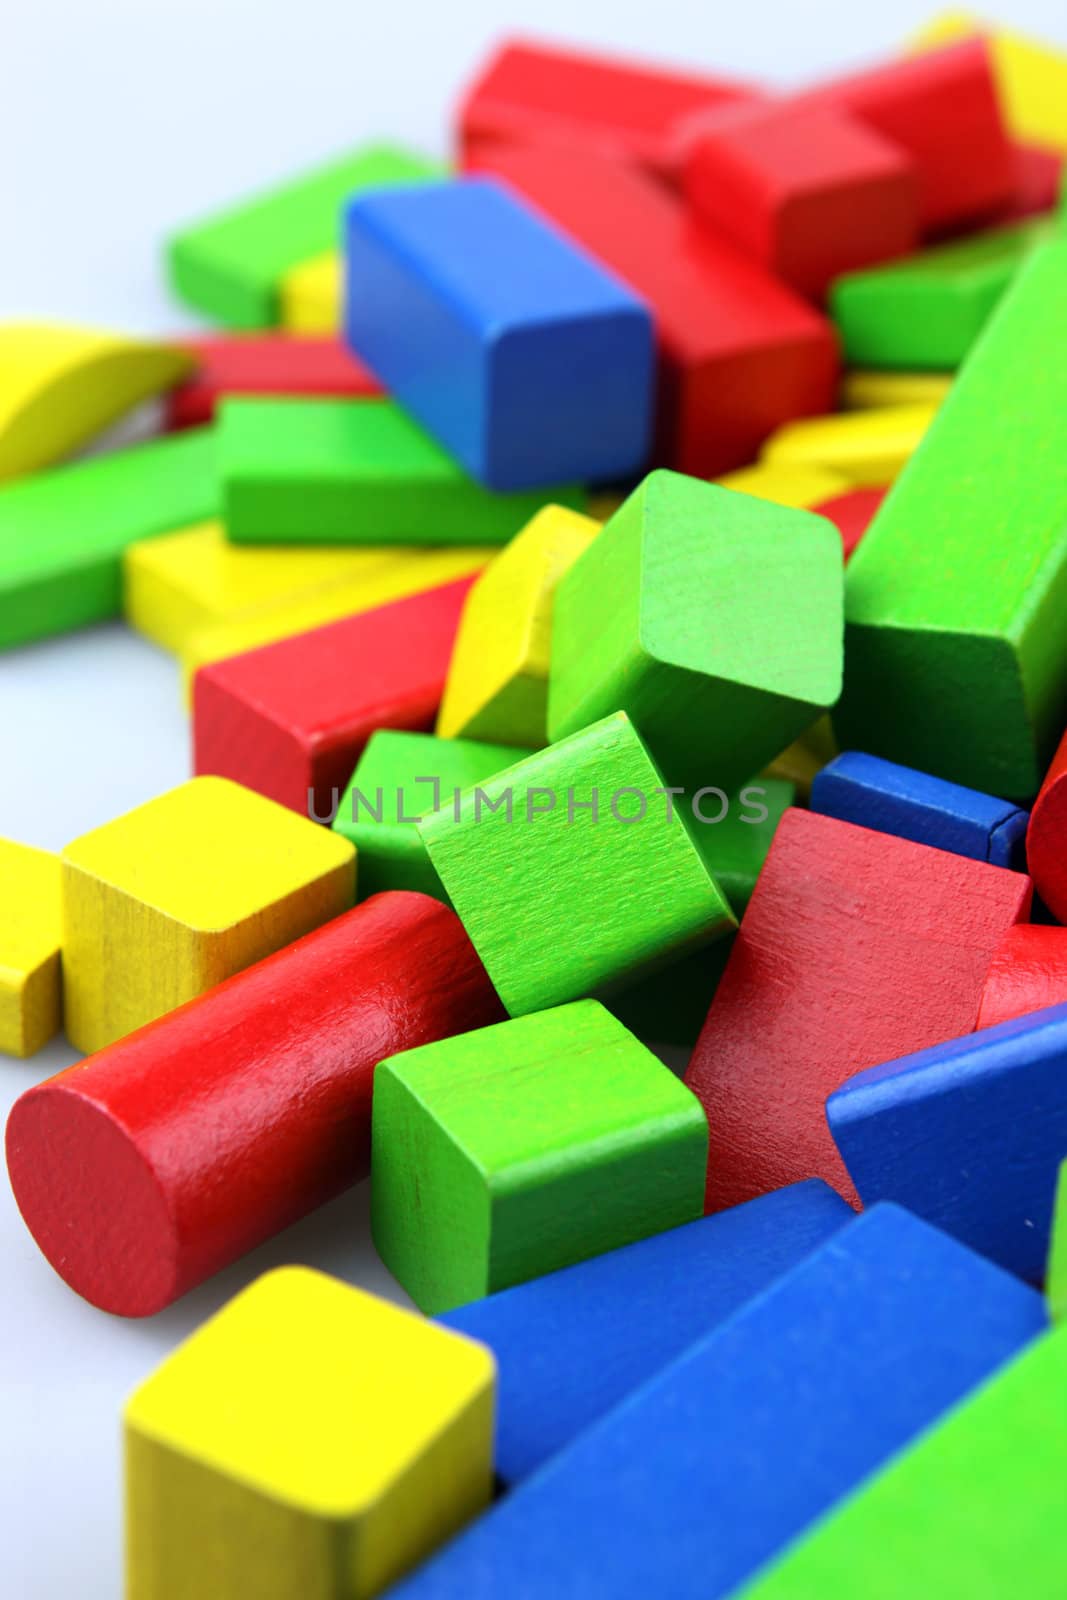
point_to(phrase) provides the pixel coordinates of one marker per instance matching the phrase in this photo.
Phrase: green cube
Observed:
(524, 1147)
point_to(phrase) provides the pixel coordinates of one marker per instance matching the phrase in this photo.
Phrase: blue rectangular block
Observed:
(705, 1472)
(968, 1134)
(878, 794)
(571, 1345)
(524, 358)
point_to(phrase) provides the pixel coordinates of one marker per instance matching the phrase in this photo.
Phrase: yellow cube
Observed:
(171, 898)
(309, 1442)
(311, 294)
(29, 948)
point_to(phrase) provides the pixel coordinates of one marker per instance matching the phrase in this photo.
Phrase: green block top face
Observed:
(230, 265)
(405, 775)
(561, 904)
(973, 1511)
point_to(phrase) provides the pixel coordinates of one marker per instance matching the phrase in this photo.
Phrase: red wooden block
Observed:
(852, 514)
(1038, 176)
(1027, 973)
(292, 717)
(739, 353)
(1046, 837)
(857, 947)
(272, 363)
(542, 95)
(809, 191)
(158, 1161)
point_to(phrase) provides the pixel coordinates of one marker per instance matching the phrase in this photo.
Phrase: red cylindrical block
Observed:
(156, 1162)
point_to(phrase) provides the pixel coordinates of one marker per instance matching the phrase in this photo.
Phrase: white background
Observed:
(119, 120)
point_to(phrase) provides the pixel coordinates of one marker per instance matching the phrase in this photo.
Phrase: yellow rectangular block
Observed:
(29, 948)
(309, 1442)
(787, 485)
(861, 390)
(1031, 76)
(311, 295)
(497, 687)
(867, 449)
(186, 890)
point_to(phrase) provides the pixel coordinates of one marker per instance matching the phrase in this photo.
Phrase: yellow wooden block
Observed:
(1031, 76)
(309, 1442)
(388, 573)
(60, 386)
(862, 390)
(865, 448)
(786, 485)
(311, 295)
(29, 948)
(497, 687)
(188, 889)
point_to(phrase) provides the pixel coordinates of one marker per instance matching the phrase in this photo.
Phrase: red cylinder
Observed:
(161, 1159)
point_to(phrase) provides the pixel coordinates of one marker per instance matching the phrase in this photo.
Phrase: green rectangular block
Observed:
(63, 532)
(956, 600)
(230, 265)
(298, 471)
(509, 1152)
(927, 310)
(973, 1511)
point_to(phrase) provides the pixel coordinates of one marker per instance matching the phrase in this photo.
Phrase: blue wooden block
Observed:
(878, 794)
(571, 1345)
(528, 362)
(706, 1471)
(968, 1134)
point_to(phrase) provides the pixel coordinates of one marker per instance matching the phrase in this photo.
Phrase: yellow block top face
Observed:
(784, 485)
(311, 1391)
(29, 907)
(311, 295)
(1031, 77)
(209, 853)
(861, 390)
(61, 385)
(867, 448)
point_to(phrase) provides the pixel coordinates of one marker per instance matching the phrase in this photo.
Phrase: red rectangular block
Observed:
(739, 353)
(1038, 178)
(857, 947)
(292, 717)
(851, 514)
(272, 363)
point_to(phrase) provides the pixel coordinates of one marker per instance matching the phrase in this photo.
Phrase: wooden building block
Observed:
(856, 947)
(734, 833)
(928, 310)
(739, 353)
(497, 686)
(864, 387)
(523, 357)
(571, 1346)
(967, 679)
(311, 295)
(269, 363)
(524, 1147)
(182, 892)
(1046, 839)
(63, 532)
(712, 618)
(30, 941)
(537, 94)
(851, 514)
(355, 472)
(1028, 972)
(399, 777)
(1056, 1278)
(128, 1198)
(808, 191)
(756, 1431)
(231, 265)
(570, 878)
(873, 793)
(291, 718)
(1038, 182)
(1031, 77)
(309, 1439)
(62, 385)
(668, 1006)
(802, 487)
(867, 448)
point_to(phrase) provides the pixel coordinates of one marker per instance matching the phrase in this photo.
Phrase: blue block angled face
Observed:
(571, 1345)
(968, 1134)
(703, 1474)
(528, 361)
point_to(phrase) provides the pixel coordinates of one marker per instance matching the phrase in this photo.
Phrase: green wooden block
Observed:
(735, 847)
(973, 1511)
(669, 1007)
(401, 776)
(711, 617)
(561, 900)
(300, 471)
(1056, 1280)
(956, 600)
(927, 310)
(523, 1147)
(230, 265)
(63, 532)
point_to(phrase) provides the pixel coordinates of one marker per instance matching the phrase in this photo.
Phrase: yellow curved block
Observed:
(787, 485)
(29, 948)
(497, 687)
(862, 390)
(309, 1442)
(60, 386)
(311, 295)
(865, 448)
(1031, 76)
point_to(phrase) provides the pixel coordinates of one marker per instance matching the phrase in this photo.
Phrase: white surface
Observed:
(118, 121)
